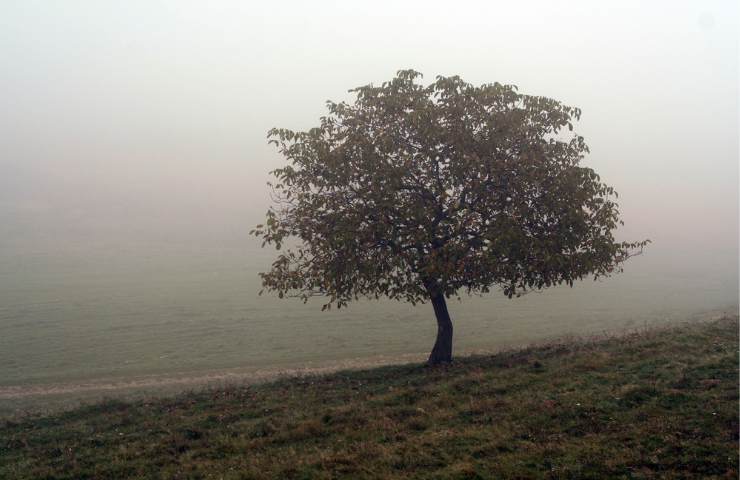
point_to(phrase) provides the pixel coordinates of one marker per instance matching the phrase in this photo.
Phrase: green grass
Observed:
(658, 404)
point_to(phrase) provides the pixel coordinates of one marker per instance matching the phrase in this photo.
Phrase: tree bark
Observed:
(442, 351)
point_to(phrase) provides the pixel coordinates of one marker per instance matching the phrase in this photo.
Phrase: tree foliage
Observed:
(413, 191)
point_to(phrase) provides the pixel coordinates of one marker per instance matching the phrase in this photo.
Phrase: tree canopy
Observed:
(420, 191)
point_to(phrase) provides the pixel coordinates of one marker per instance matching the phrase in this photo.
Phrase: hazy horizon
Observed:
(148, 119)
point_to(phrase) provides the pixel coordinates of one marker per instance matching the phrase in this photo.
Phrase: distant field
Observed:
(81, 314)
(659, 404)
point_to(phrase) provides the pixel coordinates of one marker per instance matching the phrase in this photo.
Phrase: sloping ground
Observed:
(658, 404)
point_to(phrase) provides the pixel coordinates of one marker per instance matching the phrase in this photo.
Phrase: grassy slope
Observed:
(662, 404)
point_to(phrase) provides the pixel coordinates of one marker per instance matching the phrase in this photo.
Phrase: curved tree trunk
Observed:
(442, 351)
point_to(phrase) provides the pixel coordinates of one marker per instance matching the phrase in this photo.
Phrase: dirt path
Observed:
(200, 379)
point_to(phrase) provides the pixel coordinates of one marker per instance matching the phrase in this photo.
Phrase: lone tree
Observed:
(420, 192)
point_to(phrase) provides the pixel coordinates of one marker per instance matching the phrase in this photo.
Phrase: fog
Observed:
(127, 126)
(148, 119)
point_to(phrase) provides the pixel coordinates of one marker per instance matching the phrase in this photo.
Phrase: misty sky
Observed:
(146, 120)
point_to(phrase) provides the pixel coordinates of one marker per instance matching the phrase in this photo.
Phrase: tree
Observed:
(420, 193)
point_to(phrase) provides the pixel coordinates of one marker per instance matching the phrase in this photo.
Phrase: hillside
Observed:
(658, 403)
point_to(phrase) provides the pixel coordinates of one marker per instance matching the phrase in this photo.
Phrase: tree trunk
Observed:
(442, 351)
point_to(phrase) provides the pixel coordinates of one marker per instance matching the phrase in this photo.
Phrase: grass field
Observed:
(655, 404)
